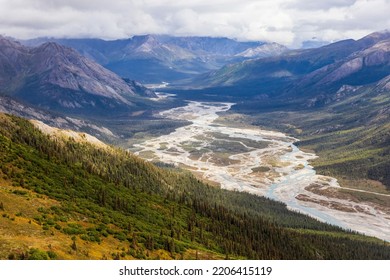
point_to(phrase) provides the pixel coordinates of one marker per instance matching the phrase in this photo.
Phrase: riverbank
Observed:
(260, 162)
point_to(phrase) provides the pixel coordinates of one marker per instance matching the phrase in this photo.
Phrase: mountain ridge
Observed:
(98, 198)
(297, 72)
(334, 98)
(144, 57)
(56, 77)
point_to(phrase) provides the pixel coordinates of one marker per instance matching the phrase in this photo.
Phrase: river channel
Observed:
(257, 161)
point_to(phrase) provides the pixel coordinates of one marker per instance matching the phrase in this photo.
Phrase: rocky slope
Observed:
(309, 72)
(265, 50)
(55, 77)
(13, 107)
(362, 67)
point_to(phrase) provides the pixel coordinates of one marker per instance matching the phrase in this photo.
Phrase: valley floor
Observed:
(267, 163)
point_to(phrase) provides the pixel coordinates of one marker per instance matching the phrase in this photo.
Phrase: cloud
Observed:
(351, 20)
(285, 21)
(309, 5)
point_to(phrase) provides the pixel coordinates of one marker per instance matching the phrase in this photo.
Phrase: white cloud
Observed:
(310, 5)
(341, 21)
(285, 21)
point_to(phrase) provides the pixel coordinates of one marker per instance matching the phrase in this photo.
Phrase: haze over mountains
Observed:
(260, 69)
(308, 73)
(158, 58)
(55, 77)
(52, 76)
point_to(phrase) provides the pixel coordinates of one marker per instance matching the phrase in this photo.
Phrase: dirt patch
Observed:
(299, 167)
(261, 169)
(329, 204)
(329, 192)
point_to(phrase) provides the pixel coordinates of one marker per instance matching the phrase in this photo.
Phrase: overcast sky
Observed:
(288, 22)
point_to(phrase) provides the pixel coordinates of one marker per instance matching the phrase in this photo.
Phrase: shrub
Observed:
(36, 254)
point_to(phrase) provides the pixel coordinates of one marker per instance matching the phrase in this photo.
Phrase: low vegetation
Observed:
(60, 199)
(351, 135)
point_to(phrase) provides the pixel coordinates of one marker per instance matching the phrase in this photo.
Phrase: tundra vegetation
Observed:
(61, 199)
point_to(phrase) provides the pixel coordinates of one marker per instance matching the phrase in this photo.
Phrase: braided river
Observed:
(261, 162)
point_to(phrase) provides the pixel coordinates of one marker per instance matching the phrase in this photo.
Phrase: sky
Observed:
(288, 22)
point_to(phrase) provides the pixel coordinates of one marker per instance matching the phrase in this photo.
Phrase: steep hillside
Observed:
(10, 106)
(58, 78)
(360, 68)
(63, 198)
(352, 134)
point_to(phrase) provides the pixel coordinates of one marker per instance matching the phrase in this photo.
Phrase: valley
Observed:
(244, 133)
(58, 200)
(261, 162)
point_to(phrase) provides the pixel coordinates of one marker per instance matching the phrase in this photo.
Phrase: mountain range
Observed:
(158, 58)
(306, 73)
(55, 77)
(334, 98)
(64, 198)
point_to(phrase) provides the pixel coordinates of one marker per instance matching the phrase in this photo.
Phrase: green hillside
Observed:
(60, 199)
(350, 132)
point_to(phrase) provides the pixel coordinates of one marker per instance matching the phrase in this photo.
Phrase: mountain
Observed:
(334, 98)
(65, 195)
(13, 107)
(266, 50)
(58, 78)
(158, 58)
(362, 67)
(307, 72)
(313, 43)
(384, 84)
(60, 199)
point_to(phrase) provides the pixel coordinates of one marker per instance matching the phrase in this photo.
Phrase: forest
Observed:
(105, 203)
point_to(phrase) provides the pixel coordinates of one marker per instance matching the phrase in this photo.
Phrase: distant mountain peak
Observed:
(375, 37)
(266, 49)
(313, 71)
(148, 45)
(55, 76)
(379, 35)
(156, 58)
(8, 42)
(51, 46)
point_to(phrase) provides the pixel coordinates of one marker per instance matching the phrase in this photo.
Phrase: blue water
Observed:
(291, 179)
